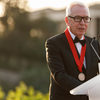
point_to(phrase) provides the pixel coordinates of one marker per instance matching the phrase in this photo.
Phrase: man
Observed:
(70, 57)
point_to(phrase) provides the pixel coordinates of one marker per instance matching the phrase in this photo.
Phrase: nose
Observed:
(82, 21)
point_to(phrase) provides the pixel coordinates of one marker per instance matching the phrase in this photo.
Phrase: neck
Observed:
(78, 36)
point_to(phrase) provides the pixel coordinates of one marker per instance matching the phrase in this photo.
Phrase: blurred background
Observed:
(24, 27)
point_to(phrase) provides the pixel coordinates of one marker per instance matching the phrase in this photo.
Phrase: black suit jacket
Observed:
(63, 69)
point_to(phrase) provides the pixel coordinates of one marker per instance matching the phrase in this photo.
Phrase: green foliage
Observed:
(36, 75)
(2, 94)
(22, 92)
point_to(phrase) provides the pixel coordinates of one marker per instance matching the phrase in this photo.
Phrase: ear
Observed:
(66, 20)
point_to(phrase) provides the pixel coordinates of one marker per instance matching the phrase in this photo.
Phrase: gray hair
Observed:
(75, 3)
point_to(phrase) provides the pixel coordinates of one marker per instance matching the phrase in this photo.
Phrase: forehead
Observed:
(78, 10)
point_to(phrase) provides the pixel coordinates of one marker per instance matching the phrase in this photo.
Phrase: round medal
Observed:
(81, 76)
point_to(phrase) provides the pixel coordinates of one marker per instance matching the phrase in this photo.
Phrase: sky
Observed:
(35, 5)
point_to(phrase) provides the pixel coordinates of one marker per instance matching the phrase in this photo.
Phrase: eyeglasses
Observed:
(79, 19)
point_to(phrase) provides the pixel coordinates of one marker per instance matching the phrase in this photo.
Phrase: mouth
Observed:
(81, 29)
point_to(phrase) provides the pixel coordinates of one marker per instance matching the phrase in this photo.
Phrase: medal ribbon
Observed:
(78, 61)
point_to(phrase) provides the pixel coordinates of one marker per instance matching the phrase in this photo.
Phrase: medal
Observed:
(81, 76)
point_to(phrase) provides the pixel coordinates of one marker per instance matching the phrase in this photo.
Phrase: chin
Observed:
(82, 33)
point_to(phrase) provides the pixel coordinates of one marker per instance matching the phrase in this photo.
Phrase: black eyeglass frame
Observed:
(86, 21)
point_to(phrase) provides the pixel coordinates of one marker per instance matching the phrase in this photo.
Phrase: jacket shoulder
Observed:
(56, 38)
(91, 39)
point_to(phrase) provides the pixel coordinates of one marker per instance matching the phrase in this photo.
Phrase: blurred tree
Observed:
(23, 37)
(47, 26)
(22, 42)
(16, 18)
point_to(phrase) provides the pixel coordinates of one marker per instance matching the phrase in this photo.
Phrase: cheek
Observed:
(75, 26)
(86, 26)
(70, 23)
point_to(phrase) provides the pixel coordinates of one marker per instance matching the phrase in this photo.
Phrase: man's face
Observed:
(78, 28)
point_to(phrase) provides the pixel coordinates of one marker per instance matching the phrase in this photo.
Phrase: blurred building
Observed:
(94, 28)
(59, 15)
